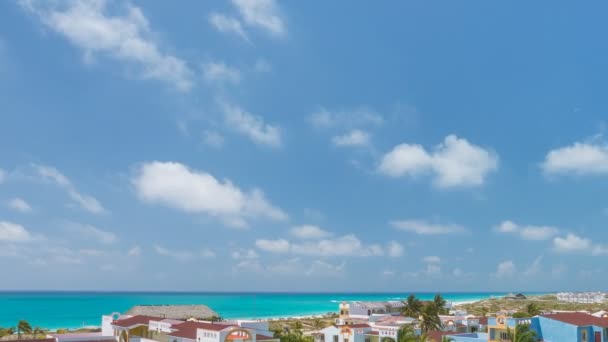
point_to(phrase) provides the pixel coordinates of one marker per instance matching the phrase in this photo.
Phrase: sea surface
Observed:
(53, 310)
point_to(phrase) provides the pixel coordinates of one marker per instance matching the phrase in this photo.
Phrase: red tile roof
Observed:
(259, 337)
(483, 320)
(135, 320)
(375, 333)
(579, 319)
(188, 329)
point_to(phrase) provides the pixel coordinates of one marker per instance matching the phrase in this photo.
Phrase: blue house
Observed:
(573, 326)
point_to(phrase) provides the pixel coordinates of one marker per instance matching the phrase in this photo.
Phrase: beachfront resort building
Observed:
(159, 329)
(582, 297)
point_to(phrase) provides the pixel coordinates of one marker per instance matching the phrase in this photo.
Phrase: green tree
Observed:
(440, 304)
(318, 324)
(6, 332)
(532, 309)
(412, 307)
(407, 334)
(520, 314)
(429, 319)
(215, 318)
(522, 333)
(484, 311)
(37, 331)
(23, 327)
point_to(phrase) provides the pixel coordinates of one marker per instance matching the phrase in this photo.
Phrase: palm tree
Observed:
(440, 303)
(318, 324)
(37, 331)
(429, 319)
(412, 307)
(522, 334)
(407, 334)
(23, 327)
(532, 309)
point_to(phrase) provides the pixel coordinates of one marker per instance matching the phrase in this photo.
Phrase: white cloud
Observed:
(573, 243)
(309, 232)
(90, 232)
(252, 126)
(320, 267)
(207, 253)
(2, 176)
(395, 249)
(12, 232)
(355, 137)
(273, 246)
(20, 205)
(578, 159)
(453, 163)
(505, 269)
(247, 254)
(527, 232)
(86, 202)
(213, 139)
(219, 72)
(347, 245)
(432, 270)
(351, 118)
(388, 273)
(226, 24)
(431, 259)
(262, 65)
(126, 37)
(134, 251)
(535, 267)
(179, 255)
(263, 14)
(177, 186)
(425, 228)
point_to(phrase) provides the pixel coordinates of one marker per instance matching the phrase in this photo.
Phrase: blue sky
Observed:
(301, 146)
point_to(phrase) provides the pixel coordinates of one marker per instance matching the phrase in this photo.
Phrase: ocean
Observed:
(53, 310)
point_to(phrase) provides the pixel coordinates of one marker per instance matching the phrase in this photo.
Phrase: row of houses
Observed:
(582, 297)
(384, 324)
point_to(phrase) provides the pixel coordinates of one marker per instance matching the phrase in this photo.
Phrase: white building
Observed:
(582, 297)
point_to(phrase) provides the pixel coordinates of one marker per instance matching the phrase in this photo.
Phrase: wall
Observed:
(556, 331)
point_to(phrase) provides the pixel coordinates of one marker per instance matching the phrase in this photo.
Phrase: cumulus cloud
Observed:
(227, 24)
(53, 175)
(219, 72)
(251, 126)
(178, 255)
(263, 14)
(454, 163)
(347, 245)
(91, 232)
(431, 259)
(353, 138)
(126, 37)
(345, 118)
(273, 246)
(177, 186)
(573, 243)
(134, 251)
(309, 232)
(2, 176)
(12, 232)
(577, 159)
(505, 269)
(527, 232)
(426, 228)
(395, 249)
(20, 205)
(207, 253)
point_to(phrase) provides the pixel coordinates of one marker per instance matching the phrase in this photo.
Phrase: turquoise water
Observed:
(76, 309)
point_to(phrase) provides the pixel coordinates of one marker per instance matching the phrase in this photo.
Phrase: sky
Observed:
(258, 145)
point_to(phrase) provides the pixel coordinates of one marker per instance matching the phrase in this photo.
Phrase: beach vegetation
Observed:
(412, 307)
(23, 327)
(6, 331)
(522, 333)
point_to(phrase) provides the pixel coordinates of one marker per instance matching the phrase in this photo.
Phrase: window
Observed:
(504, 336)
(584, 336)
(345, 340)
(335, 338)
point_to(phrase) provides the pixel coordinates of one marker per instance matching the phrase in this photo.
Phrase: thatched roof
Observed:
(173, 311)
